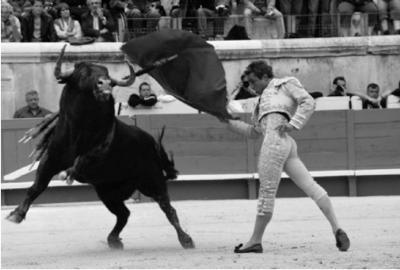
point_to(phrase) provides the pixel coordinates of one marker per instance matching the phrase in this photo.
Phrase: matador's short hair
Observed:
(260, 68)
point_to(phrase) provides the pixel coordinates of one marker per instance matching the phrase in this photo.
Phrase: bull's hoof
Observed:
(186, 241)
(115, 242)
(16, 216)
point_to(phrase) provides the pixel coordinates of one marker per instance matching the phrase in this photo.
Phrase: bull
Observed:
(89, 144)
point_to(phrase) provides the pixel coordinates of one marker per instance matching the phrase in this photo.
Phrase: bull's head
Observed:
(92, 77)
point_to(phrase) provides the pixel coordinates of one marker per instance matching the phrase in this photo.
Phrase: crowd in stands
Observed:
(118, 20)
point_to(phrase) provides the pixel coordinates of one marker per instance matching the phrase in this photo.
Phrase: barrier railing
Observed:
(260, 27)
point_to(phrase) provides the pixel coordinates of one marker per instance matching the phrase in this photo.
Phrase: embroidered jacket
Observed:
(288, 96)
(285, 95)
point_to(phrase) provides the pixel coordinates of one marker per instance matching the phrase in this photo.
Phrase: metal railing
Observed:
(259, 27)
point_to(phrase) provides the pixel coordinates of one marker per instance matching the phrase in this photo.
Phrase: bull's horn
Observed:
(129, 81)
(57, 70)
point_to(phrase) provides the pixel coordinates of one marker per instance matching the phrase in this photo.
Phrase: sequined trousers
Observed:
(279, 153)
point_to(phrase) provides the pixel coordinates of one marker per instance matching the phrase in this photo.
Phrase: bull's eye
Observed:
(100, 82)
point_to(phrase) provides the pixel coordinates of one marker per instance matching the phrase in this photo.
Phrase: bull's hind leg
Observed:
(45, 172)
(165, 204)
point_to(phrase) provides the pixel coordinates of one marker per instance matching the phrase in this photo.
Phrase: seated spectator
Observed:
(223, 10)
(37, 26)
(346, 9)
(98, 22)
(143, 15)
(383, 97)
(50, 9)
(369, 100)
(10, 24)
(245, 90)
(145, 97)
(389, 9)
(17, 6)
(77, 8)
(372, 100)
(206, 9)
(117, 10)
(65, 26)
(265, 8)
(185, 11)
(292, 10)
(32, 109)
(327, 17)
(175, 10)
(395, 92)
(26, 9)
(339, 88)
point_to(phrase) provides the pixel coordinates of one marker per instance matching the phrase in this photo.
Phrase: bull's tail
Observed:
(167, 163)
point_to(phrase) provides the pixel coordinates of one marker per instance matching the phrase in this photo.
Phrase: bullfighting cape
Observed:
(196, 76)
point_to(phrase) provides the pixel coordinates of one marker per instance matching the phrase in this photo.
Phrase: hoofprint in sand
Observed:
(74, 236)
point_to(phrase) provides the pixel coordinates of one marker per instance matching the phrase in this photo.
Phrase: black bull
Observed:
(89, 144)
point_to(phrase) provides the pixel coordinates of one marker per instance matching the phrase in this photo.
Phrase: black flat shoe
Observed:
(256, 248)
(342, 241)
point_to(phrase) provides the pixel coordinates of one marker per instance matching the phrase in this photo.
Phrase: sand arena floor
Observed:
(74, 236)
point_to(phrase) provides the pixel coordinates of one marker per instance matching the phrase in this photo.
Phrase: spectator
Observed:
(223, 9)
(291, 9)
(26, 9)
(204, 9)
(50, 9)
(395, 92)
(145, 97)
(143, 14)
(339, 88)
(389, 8)
(117, 10)
(372, 100)
(245, 91)
(326, 17)
(98, 22)
(37, 26)
(185, 9)
(368, 100)
(312, 11)
(264, 8)
(32, 109)
(77, 8)
(346, 9)
(383, 97)
(65, 26)
(10, 24)
(175, 11)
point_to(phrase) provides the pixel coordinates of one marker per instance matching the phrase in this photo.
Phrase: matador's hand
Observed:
(284, 128)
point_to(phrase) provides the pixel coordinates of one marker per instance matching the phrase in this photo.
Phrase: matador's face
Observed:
(258, 84)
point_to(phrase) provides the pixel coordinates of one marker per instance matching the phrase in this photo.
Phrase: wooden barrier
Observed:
(334, 145)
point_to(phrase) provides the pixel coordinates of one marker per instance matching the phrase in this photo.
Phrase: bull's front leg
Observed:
(71, 173)
(81, 165)
(45, 172)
